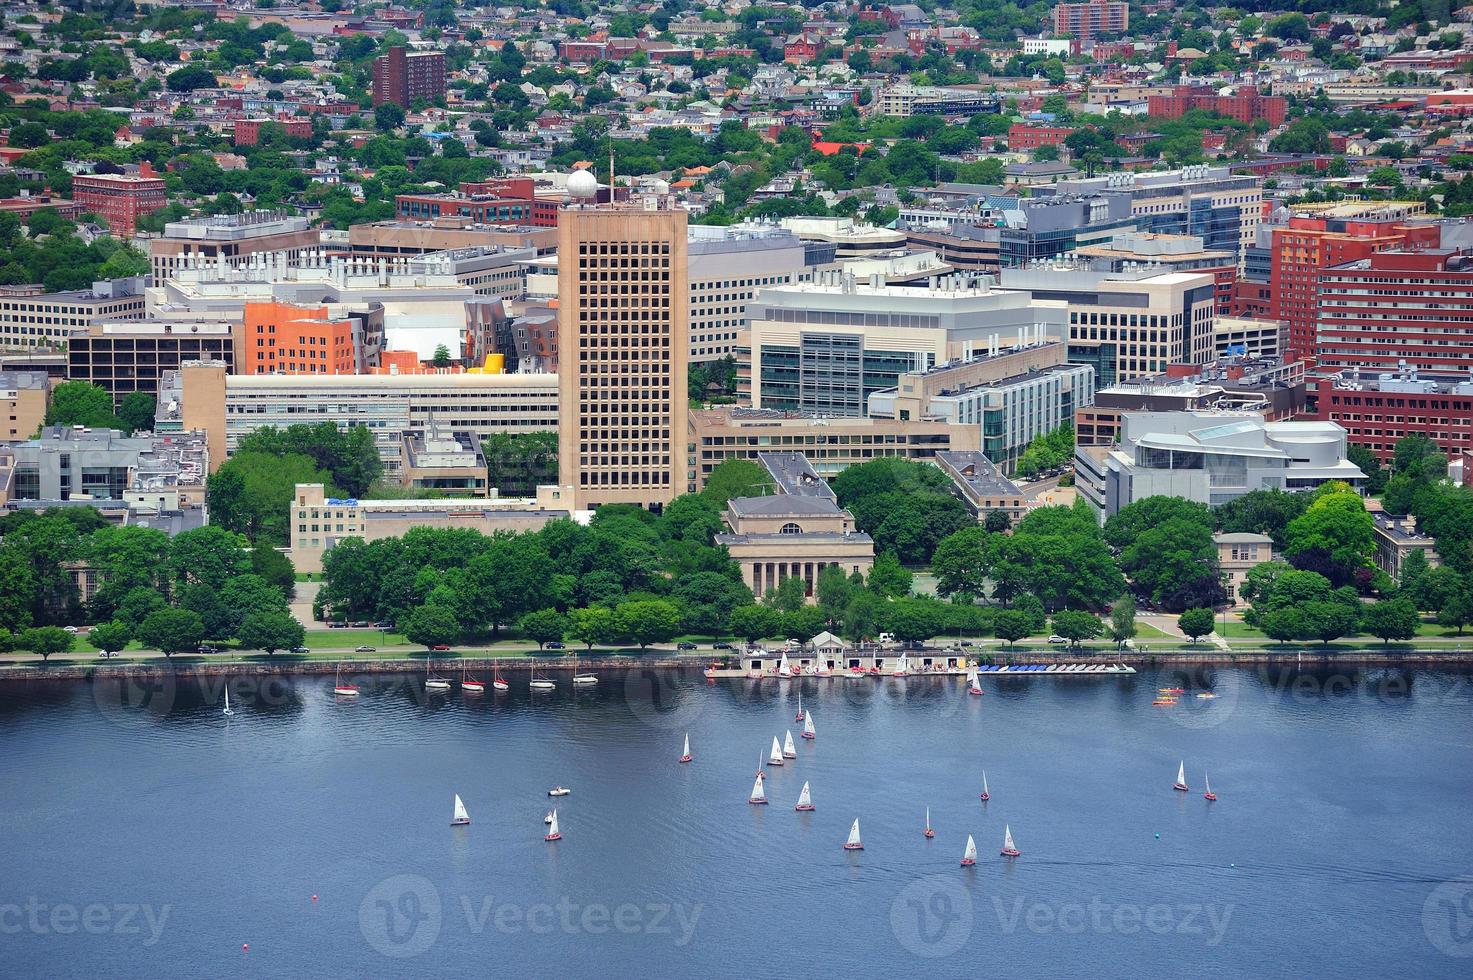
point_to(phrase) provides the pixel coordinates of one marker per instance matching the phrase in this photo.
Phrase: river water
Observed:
(148, 835)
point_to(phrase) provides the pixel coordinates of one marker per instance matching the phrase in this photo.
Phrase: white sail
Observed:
(461, 816)
(984, 782)
(928, 818)
(687, 745)
(1207, 782)
(1007, 838)
(789, 750)
(552, 830)
(800, 704)
(808, 724)
(854, 832)
(903, 665)
(775, 758)
(782, 664)
(803, 798)
(1181, 773)
(971, 677)
(758, 793)
(970, 854)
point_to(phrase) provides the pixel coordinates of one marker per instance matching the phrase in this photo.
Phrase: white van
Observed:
(887, 637)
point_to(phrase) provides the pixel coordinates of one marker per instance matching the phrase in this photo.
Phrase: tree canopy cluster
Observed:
(907, 507)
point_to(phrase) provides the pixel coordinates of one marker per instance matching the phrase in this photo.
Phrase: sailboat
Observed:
(789, 750)
(854, 843)
(583, 680)
(1209, 795)
(227, 712)
(805, 802)
(973, 686)
(498, 683)
(469, 684)
(775, 757)
(461, 817)
(783, 670)
(986, 795)
(552, 832)
(685, 756)
(808, 731)
(341, 689)
(541, 683)
(929, 833)
(1181, 777)
(1008, 849)
(902, 667)
(433, 683)
(969, 856)
(549, 817)
(799, 715)
(759, 795)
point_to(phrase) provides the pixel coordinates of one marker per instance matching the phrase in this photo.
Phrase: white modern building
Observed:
(1210, 457)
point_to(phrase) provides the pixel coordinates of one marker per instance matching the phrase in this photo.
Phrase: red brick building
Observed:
(801, 49)
(1086, 20)
(1245, 105)
(1376, 414)
(248, 131)
(486, 209)
(120, 199)
(1023, 137)
(401, 76)
(1398, 307)
(1307, 246)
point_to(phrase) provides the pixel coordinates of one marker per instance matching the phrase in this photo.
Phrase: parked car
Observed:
(685, 645)
(886, 638)
(383, 626)
(556, 645)
(722, 646)
(1056, 638)
(71, 629)
(301, 650)
(440, 647)
(208, 648)
(363, 649)
(360, 624)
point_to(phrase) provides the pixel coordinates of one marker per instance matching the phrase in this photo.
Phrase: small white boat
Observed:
(808, 731)
(541, 683)
(469, 684)
(969, 856)
(783, 670)
(799, 715)
(1181, 777)
(854, 843)
(973, 685)
(552, 830)
(498, 683)
(902, 667)
(823, 672)
(805, 801)
(790, 751)
(559, 791)
(460, 818)
(1209, 796)
(775, 757)
(986, 794)
(759, 795)
(685, 756)
(1008, 848)
(227, 712)
(928, 833)
(339, 688)
(433, 683)
(585, 680)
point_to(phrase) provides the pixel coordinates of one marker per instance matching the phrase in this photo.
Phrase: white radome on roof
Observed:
(582, 183)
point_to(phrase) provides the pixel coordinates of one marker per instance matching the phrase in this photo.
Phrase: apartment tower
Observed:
(623, 311)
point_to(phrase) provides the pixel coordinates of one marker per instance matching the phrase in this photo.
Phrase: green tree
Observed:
(1391, 619)
(44, 640)
(1074, 625)
(171, 631)
(1326, 621)
(1122, 621)
(270, 630)
(388, 116)
(136, 411)
(431, 625)
(189, 78)
(82, 403)
(1196, 623)
(961, 562)
(887, 579)
(914, 620)
(647, 621)
(111, 638)
(788, 596)
(1457, 611)
(1012, 625)
(1333, 537)
(209, 556)
(543, 626)
(754, 622)
(442, 357)
(595, 624)
(736, 478)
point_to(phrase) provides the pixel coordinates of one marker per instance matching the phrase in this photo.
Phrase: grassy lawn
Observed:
(1145, 631)
(326, 639)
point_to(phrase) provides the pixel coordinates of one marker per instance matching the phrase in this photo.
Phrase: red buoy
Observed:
(245, 947)
(314, 898)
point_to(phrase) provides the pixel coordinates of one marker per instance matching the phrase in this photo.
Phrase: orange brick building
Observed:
(283, 338)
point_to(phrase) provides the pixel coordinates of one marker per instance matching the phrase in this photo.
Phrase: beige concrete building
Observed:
(446, 462)
(229, 238)
(1396, 538)
(23, 396)
(41, 319)
(830, 444)
(319, 522)
(1237, 553)
(623, 345)
(396, 238)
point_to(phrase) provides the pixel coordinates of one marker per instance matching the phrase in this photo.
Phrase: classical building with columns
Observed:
(798, 531)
